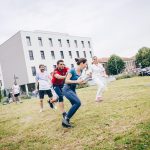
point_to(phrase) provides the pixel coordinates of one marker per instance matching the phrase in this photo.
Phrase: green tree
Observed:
(115, 65)
(143, 57)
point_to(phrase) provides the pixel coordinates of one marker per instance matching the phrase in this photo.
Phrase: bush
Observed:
(124, 76)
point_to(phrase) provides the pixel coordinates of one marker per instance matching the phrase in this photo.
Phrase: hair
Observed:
(41, 65)
(80, 60)
(59, 61)
(93, 58)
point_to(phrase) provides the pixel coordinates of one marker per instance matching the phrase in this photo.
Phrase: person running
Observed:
(69, 89)
(16, 92)
(99, 76)
(58, 77)
(43, 83)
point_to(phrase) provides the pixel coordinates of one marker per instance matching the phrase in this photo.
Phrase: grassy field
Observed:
(120, 122)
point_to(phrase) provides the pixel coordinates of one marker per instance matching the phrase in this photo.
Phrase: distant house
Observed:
(129, 63)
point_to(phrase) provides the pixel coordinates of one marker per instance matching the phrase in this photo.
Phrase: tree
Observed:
(143, 57)
(115, 65)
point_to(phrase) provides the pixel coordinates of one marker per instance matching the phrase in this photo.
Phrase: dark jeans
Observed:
(71, 95)
(58, 90)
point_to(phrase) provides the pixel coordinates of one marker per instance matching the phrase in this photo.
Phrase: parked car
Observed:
(144, 71)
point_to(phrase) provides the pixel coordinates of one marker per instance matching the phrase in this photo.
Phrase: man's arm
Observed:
(58, 76)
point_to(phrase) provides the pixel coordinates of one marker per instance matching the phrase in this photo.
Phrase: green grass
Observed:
(120, 122)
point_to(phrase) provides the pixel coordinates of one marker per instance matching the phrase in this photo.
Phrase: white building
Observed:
(21, 55)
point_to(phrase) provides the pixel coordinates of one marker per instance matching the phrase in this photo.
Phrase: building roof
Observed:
(103, 60)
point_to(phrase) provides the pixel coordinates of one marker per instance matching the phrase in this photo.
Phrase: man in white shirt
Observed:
(16, 92)
(43, 83)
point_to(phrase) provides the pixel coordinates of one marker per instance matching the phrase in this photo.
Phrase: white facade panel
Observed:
(15, 54)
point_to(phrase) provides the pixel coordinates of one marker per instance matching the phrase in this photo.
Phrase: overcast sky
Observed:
(115, 26)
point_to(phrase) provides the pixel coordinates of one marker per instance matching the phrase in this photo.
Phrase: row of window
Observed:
(28, 39)
(31, 56)
(33, 69)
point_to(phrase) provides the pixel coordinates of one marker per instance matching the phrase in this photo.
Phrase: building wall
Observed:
(129, 65)
(13, 61)
(49, 62)
(15, 54)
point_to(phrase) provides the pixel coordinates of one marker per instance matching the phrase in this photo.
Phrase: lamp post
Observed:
(15, 78)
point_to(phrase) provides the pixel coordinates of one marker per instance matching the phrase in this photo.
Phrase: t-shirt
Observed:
(74, 76)
(97, 70)
(61, 72)
(43, 79)
(16, 89)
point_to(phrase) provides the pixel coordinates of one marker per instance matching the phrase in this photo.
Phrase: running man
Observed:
(58, 78)
(43, 83)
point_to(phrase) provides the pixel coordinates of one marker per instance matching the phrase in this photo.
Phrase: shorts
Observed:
(16, 95)
(48, 92)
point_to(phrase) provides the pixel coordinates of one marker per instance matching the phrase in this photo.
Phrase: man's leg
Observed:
(58, 91)
(51, 99)
(41, 95)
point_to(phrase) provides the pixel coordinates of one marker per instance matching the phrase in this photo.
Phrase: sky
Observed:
(118, 27)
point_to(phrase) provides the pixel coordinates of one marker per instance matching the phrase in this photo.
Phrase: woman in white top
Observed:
(99, 76)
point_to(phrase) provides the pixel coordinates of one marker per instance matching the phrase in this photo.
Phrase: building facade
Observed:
(22, 53)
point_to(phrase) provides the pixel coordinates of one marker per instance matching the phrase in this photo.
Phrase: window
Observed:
(33, 71)
(77, 52)
(62, 54)
(52, 54)
(42, 55)
(54, 66)
(72, 65)
(91, 53)
(31, 55)
(84, 53)
(70, 54)
(68, 43)
(40, 41)
(59, 41)
(82, 42)
(89, 44)
(50, 42)
(76, 44)
(46, 68)
(28, 40)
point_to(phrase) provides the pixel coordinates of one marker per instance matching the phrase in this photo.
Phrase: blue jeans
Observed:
(58, 90)
(71, 95)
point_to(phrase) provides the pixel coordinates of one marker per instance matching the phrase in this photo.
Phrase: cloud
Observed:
(120, 27)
